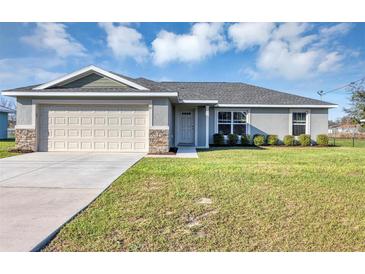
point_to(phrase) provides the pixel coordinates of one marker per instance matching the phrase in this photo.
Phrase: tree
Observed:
(7, 102)
(357, 109)
(332, 123)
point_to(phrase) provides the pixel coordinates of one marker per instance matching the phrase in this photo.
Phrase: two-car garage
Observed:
(114, 128)
(94, 110)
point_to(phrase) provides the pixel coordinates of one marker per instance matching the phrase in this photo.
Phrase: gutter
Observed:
(88, 94)
(276, 106)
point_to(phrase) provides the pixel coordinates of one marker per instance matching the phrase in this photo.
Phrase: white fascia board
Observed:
(276, 106)
(32, 126)
(90, 69)
(88, 94)
(199, 101)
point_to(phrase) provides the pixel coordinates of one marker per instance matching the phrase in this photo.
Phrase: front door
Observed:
(186, 127)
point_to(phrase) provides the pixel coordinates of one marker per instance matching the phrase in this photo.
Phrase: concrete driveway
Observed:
(41, 191)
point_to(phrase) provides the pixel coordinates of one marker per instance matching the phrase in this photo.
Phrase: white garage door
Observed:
(114, 128)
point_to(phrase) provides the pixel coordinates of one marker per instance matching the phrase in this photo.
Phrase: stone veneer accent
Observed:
(26, 139)
(159, 140)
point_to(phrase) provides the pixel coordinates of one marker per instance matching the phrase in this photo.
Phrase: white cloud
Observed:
(290, 50)
(204, 40)
(125, 41)
(15, 72)
(246, 35)
(54, 36)
(331, 62)
(249, 72)
(278, 58)
(341, 28)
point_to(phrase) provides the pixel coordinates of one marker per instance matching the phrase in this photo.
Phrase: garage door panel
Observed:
(113, 121)
(73, 145)
(86, 121)
(113, 133)
(73, 133)
(93, 128)
(74, 121)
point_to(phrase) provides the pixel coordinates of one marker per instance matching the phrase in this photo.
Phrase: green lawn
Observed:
(272, 199)
(5, 145)
(347, 142)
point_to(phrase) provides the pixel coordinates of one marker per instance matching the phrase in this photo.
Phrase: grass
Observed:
(342, 142)
(5, 145)
(272, 199)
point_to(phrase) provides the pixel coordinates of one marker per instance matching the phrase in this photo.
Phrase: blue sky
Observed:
(299, 58)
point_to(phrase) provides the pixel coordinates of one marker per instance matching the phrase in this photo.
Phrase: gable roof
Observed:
(87, 71)
(222, 93)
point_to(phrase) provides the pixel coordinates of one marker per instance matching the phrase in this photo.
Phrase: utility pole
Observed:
(320, 93)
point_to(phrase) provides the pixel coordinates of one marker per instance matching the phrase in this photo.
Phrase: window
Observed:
(232, 122)
(299, 123)
(224, 122)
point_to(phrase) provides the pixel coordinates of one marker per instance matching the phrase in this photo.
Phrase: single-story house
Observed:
(344, 129)
(4, 121)
(96, 110)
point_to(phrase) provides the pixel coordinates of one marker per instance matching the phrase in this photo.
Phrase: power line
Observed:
(321, 92)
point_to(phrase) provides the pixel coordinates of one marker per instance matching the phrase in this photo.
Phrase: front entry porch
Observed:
(186, 134)
(192, 125)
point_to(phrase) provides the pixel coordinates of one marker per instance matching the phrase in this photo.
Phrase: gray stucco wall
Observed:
(23, 111)
(276, 121)
(211, 124)
(160, 110)
(263, 120)
(319, 122)
(270, 121)
(171, 123)
(201, 126)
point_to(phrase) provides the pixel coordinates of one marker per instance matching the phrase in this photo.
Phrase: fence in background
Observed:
(356, 140)
(11, 133)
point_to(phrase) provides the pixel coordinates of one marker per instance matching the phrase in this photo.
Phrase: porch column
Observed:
(207, 126)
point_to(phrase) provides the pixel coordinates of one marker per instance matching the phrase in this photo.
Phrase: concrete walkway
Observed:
(186, 152)
(41, 191)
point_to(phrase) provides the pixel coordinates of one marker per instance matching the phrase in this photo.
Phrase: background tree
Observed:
(357, 109)
(9, 103)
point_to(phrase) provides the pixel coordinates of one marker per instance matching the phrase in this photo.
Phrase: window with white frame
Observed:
(232, 122)
(299, 123)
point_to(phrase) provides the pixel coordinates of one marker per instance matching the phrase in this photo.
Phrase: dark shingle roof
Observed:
(224, 92)
(237, 93)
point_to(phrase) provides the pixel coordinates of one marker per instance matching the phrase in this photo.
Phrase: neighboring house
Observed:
(344, 129)
(4, 111)
(96, 110)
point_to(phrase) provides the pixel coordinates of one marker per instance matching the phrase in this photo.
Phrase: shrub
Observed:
(245, 140)
(259, 140)
(304, 140)
(322, 140)
(218, 139)
(232, 139)
(288, 140)
(272, 140)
